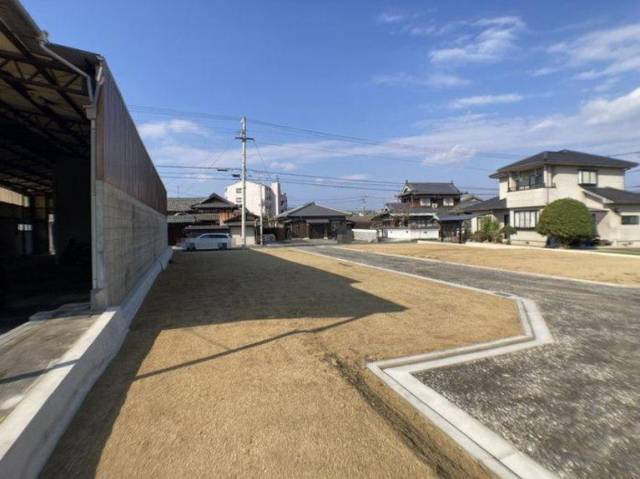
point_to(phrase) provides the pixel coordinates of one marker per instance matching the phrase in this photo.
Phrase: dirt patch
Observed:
(252, 364)
(592, 267)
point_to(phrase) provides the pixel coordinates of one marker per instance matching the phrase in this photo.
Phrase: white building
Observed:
(528, 185)
(262, 200)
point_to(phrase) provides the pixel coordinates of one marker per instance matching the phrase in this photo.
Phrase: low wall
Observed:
(365, 235)
(406, 234)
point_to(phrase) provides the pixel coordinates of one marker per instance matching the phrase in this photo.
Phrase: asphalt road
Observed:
(573, 405)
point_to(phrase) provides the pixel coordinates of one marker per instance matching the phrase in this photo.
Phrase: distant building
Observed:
(187, 217)
(416, 215)
(313, 221)
(262, 200)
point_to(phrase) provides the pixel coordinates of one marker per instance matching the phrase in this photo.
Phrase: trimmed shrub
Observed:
(566, 220)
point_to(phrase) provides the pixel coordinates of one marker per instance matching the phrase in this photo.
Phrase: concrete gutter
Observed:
(30, 433)
(488, 448)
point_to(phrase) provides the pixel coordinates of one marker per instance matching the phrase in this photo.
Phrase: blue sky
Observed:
(446, 90)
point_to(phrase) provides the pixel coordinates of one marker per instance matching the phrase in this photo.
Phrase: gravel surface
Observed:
(571, 405)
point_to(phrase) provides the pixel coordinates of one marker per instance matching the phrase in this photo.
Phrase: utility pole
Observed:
(243, 138)
(261, 216)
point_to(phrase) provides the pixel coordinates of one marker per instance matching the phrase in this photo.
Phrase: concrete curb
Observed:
(501, 270)
(30, 433)
(472, 244)
(488, 448)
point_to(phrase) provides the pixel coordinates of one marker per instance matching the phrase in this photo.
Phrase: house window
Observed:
(525, 220)
(631, 220)
(238, 190)
(425, 201)
(587, 177)
(238, 200)
(447, 202)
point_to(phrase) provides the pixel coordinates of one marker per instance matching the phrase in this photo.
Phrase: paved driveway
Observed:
(572, 405)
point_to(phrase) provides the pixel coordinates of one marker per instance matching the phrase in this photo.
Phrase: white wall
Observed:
(400, 234)
(270, 198)
(365, 235)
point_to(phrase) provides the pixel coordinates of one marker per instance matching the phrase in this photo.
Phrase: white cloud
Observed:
(605, 52)
(160, 129)
(621, 109)
(544, 71)
(455, 154)
(603, 125)
(283, 165)
(436, 80)
(391, 17)
(482, 100)
(447, 80)
(497, 38)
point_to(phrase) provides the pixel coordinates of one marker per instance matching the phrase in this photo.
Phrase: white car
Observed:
(208, 241)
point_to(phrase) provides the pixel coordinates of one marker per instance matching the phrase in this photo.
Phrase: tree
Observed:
(567, 220)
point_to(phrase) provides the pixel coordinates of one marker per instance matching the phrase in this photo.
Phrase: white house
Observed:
(528, 185)
(262, 200)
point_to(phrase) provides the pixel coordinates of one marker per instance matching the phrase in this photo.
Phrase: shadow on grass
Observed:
(201, 289)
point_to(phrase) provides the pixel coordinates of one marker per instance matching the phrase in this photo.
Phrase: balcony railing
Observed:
(525, 187)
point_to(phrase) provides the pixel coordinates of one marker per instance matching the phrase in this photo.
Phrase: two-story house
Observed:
(528, 185)
(418, 209)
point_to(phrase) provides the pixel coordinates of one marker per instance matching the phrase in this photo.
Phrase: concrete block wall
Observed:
(134, 236)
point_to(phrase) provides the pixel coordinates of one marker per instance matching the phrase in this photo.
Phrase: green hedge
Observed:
(567, 220)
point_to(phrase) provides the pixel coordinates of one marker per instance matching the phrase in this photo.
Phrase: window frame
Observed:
(531, 221)
(637, 220)
(581, 173)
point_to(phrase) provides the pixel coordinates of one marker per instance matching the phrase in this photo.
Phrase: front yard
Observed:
(574, 265)
(246, 363)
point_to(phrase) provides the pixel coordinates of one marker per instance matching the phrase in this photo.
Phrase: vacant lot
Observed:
(593, 267)
(247, 364)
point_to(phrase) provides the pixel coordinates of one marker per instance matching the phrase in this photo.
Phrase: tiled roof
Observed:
(564, 157)
(181, 204)
(214, 201)
(407, 210)
(312, 210)
(494, 203)
(430, 189)
(620, 197)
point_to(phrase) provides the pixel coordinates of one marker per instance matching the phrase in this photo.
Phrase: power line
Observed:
(320, 177)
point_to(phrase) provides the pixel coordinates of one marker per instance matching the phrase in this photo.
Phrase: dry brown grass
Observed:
(247, 364)
(592, 267)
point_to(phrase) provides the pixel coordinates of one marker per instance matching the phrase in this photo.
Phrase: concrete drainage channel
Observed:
(490, 449)
(29, 434)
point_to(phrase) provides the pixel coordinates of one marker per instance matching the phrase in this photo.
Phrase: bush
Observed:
(566, 220)
(490, 229)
